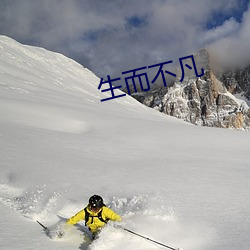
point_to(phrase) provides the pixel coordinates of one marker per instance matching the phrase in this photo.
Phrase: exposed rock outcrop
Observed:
(202, 100)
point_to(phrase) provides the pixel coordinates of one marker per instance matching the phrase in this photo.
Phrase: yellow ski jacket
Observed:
(94, 223)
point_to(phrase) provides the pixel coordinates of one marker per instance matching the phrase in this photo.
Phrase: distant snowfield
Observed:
(179, 184)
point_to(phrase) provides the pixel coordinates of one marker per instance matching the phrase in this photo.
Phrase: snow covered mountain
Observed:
(183, 185)
(206, 100)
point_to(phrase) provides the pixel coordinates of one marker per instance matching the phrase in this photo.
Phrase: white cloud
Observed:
(98, 34)
(233, 49)
(226, 29)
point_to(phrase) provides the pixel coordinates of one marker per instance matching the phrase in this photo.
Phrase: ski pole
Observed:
(146, 238)
(45, 228)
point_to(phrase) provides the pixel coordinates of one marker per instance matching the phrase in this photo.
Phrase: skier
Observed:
(95, 214)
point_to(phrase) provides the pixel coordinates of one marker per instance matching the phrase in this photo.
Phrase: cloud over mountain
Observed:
(114, 36)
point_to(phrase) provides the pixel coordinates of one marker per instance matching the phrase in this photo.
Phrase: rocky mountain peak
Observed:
(206, 100)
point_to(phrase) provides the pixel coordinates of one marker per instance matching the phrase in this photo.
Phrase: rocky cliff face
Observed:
(237, 81)
(206, 100)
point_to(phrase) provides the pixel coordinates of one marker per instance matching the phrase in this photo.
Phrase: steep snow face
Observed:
(179, 184)
(35, 75)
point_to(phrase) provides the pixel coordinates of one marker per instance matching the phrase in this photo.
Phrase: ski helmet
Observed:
(95, 202)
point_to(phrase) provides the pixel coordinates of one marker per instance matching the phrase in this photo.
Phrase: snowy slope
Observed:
(179, 184)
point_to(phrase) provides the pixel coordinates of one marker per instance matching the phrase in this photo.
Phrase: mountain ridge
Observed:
(207, 100)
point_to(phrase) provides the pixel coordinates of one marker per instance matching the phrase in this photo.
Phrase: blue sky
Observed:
(113, 36)
(218, 17)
